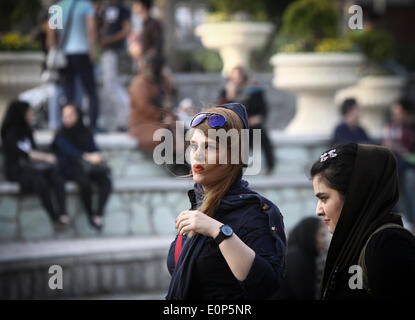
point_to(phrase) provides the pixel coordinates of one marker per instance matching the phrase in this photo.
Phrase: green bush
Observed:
(14, 41)
(225, 10)
(209, 60)
(376, 45)
(309, 20)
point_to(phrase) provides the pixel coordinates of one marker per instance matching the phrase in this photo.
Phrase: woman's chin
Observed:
(198, 178)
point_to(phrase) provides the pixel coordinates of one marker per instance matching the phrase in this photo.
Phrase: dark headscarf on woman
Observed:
(300, 282)
(79, 135)
(15, 119)
(371, 196)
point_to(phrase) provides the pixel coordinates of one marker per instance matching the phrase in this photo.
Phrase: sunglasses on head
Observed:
(215, 120)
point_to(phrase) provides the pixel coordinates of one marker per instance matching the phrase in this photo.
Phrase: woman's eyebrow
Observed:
(320, 194)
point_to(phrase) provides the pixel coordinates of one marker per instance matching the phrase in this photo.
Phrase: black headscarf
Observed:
(371, 196)
(15, 119)
(79, 135)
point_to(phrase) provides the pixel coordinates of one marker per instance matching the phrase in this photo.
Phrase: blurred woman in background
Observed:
(306, 243)
(35, 171)
(81, 161)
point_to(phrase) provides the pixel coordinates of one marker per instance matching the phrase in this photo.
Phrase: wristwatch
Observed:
(225, 232)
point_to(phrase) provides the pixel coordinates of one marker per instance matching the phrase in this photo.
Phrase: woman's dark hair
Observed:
(406, 105)
(304, 235)
(336, 171)
(146, 3)
(347, 105)
(15, 117)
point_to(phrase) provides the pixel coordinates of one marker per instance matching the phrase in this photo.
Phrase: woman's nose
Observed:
(200, 155)
(319, 210)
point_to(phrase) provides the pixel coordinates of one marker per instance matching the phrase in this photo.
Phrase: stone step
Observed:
(294, 154)
(90, 268)
(136, 208)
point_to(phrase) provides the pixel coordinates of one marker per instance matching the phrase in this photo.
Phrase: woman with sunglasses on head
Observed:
(371, 256)
(231, 243)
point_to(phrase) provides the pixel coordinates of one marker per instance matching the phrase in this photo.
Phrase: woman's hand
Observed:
(196, 221)
(51, 158)
(93, 157)
(42, 156)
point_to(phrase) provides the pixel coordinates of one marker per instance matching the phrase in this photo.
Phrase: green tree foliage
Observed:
(310, 20)
(20, 14)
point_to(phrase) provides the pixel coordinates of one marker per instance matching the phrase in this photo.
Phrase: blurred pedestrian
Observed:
(34, 170)
(399, 136)
(306, 243)
(147, 112)
(350, 130)
(371, 256)
(79, 45)
(150, 41)
(239, 90)
(115, 29)
(81, 161)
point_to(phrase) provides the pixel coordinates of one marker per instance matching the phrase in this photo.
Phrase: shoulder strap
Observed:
(362, 256)
(68, 24)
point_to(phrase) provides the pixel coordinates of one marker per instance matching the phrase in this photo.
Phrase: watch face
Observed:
(227, 230)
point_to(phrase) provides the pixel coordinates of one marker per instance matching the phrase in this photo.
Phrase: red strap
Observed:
(177, 249)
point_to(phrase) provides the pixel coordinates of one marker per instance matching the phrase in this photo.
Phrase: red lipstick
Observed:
(198, 168)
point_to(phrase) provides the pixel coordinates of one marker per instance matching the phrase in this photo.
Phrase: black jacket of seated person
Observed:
(40, 178)
(69, 145)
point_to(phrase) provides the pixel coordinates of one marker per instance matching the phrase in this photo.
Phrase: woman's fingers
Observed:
(184, 225)
(181, 216)
(186, 229)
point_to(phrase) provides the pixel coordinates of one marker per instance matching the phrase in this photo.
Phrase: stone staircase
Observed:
(128, 256)
(90, 267)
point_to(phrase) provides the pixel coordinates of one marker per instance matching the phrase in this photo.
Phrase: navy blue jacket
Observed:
(68, 154)
(202, 272)
(343, 134)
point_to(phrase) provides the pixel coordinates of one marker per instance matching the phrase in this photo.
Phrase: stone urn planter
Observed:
(234, 40)
(315, 78)
(374, 94)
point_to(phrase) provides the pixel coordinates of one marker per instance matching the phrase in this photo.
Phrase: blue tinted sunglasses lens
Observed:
(198, 119)
(216, 121)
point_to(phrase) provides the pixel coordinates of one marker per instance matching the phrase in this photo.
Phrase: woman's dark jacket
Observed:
(251, 97)
(69, 145)
(14, 157)
(202, 272)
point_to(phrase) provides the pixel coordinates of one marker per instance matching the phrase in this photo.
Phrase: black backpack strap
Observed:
(68, 25)
(362, 256)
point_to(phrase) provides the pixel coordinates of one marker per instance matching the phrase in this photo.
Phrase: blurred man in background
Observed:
(350, 130)
(80, 49)
(115, 28)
